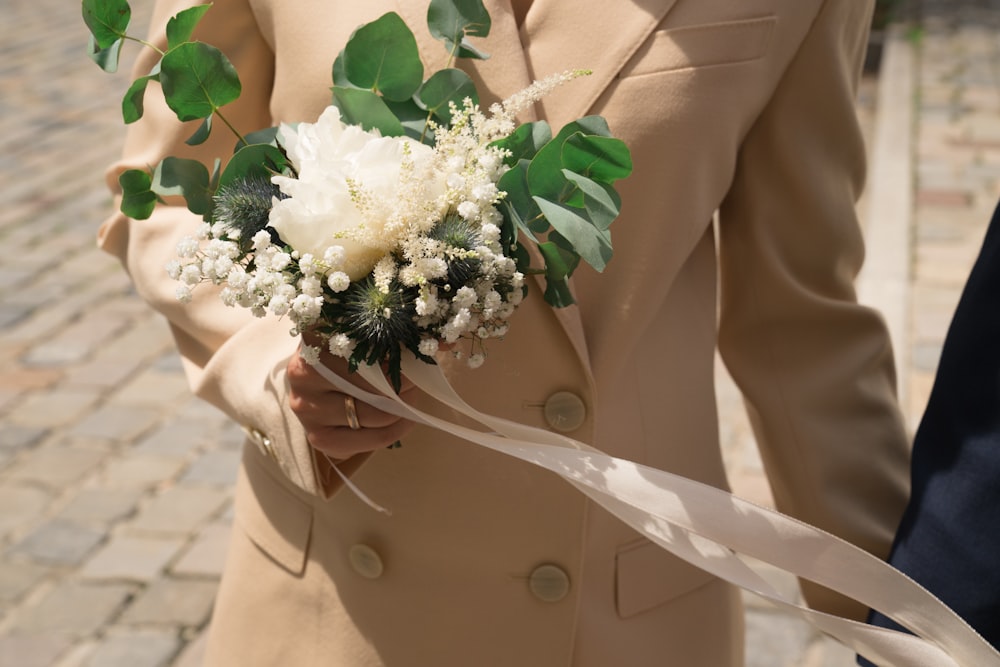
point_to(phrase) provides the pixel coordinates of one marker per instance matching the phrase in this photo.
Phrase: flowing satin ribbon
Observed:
(713, 530)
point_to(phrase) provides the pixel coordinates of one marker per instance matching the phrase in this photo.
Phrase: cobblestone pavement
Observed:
(115, 484)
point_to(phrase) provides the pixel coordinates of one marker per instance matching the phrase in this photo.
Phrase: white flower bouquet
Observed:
(397, 220)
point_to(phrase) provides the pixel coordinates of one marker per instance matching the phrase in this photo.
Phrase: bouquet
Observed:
(400, 219)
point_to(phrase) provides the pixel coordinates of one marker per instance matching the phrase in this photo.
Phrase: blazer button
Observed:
(549, 583)
(565, 411)
(365, 561)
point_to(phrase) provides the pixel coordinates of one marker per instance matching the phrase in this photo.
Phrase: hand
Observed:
(323, 410)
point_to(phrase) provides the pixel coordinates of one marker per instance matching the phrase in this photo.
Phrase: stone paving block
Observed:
(23, 379)
(136, 471)
(20, 504)
(101, 505)
(76, 342)
(55, 466)
(60, 542)
(183, 602)
(137, 648)
(55, 407)
(206, 556)
(176, 438)
(32, 650)
(154, 388)
(214, 467)
(119, 423)
(11, 313)
(17, 437)
(102, 372)
(16, 579)
(132, 558)
(72, 608)
(193, 654)
(179, 509)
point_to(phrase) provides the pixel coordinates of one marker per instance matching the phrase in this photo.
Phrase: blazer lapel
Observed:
(558, 35)
(595, 35)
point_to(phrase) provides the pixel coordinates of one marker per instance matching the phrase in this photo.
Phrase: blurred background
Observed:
(115, 484)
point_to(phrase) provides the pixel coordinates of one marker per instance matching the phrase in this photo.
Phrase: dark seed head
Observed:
(244, 204)
(461, 236)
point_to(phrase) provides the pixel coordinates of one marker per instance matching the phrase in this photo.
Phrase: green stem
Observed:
(145, 43)
(451, 62)
(231, 128)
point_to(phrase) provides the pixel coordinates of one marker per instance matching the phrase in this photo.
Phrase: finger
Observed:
(340, 442)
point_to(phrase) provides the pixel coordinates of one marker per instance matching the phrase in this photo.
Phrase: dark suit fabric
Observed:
(949, 537)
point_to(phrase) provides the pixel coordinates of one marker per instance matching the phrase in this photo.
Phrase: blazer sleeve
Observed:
(232, 360)
(815, 367)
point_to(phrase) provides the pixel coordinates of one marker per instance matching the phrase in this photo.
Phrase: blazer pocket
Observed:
(702, 46)
(647, 576)
(272, 516)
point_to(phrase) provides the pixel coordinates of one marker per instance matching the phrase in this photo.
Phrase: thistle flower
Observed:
(243, 206)
(380, 322)
(461, 237)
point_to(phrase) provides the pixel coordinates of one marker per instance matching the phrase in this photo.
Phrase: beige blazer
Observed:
(741, 108)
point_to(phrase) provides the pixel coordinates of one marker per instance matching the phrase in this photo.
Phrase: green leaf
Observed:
(365, 108)
(201, 134)
(269, 135)
(256, 159)
(413, 119)
(603, 159)
(600, 200)
(545, 175)
(525, 142)
(339, 73)
(557, 293)
(107, 59)
(132, 103)
(186, 178)
(444, 86)
(107, 19)
(518, 204)
(197, 79)
(138, 200)
(593, 245)
(180, 27)
(452, 21)
(382, 56)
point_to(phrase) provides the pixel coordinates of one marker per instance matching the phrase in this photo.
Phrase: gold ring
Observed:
(352, 413)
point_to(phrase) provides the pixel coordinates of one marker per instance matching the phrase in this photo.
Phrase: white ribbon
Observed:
(713, 530)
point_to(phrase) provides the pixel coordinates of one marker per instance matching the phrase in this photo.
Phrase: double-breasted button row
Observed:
(547, 582)
(564, 411)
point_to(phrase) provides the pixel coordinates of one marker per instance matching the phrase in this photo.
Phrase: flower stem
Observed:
(145, 43)
(231, 128)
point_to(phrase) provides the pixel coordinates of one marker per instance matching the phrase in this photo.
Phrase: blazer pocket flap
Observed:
(702, 45)
(272, 516)
(647, 576)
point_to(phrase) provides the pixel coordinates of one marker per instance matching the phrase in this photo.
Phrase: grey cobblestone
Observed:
(140, 559)
(138, 648)
(59, 542)
(75, 609)
(167, 602)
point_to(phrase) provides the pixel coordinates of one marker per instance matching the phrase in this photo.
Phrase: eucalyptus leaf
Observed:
(518, 204)
(256, 159)
(201, 134)
(413, 119)
(339, 73)
(600, 200)
(185, 178)
(180, 27)
(197, 79)
(545, 176)
(132, 103)
(593, 245)
(138, 200)
(269, 135)
(382, 56)
(452, 21)
(525, 142)
(107, 59)
(445, 86)
(107, 20)
(365, 108)
(557, 293)
(604, 159)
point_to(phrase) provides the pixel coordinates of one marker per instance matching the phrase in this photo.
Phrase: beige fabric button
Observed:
(565, 411)
(365, 561)
(549, 583)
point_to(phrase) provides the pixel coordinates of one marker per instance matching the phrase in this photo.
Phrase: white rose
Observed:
(320, 211)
